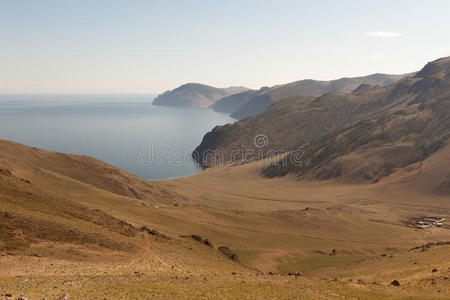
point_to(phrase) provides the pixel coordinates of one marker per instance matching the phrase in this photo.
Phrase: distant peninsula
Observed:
(195, 95)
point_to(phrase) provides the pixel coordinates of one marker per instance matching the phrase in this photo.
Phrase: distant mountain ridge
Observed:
(195, 95)
(230, 104)
(309, 87)
(241, 102)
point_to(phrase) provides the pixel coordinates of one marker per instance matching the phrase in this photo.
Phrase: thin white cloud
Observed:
(385, 35)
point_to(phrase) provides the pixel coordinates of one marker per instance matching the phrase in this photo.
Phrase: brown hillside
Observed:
(309, 87)
(81, 168)
(365, 135)
(61, 235)
(31, 214)
(413, 122)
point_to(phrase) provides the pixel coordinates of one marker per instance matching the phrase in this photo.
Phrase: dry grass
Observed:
(72, 236)
(412, 270)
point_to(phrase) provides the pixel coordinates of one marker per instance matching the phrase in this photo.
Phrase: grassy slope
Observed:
(82, 169)
(263, 220)
(267, 220)
(412, 269)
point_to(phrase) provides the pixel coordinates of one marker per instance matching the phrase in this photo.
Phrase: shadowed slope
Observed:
(412, 122)
(310, 87)
(230, 104)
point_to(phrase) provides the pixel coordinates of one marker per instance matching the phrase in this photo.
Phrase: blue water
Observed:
(153, 142)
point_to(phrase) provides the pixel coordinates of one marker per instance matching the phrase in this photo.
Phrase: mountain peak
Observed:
(435, 67)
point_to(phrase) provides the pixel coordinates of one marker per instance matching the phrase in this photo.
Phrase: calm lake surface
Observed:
(153, 142)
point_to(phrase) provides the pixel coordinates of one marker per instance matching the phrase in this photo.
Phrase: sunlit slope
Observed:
(58, 229)
(84, 169)
(50, 212)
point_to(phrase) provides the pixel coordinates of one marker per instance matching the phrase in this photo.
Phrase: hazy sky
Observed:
(111, 46)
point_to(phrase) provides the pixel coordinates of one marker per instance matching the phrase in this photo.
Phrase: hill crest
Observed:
(194, 95)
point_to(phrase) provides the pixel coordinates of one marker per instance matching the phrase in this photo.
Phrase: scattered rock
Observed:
(233, 273)
(158, 234)
(208, 243)
(22, 298)
(414, 248)
(64, 297)
(138, 274)
(229, 253)
(395, 283)
(154, 232)
(25, 180)
(429, 245)
(361, 281)
(295, 274)
(434, 270)
(443, 243)
(196, 238)
(333, 252)
(6, 296)
(272, 274)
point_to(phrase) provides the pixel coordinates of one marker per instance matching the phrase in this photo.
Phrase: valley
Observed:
(275, 226)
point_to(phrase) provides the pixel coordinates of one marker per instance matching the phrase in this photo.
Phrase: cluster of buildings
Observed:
(425, 222)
